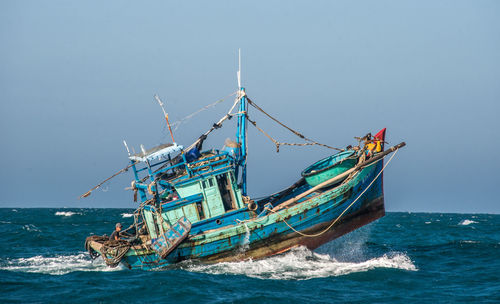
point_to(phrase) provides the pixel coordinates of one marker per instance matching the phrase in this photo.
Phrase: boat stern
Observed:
(111, 251)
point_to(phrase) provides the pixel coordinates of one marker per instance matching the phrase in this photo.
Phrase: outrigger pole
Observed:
(242, 130)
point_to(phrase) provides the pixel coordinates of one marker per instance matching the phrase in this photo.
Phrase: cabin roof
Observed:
(158, 152)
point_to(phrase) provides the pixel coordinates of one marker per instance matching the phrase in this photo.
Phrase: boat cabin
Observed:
(199, 186)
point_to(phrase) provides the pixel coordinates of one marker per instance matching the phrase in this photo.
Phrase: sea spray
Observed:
(351, 247)
(466, 222)
(66, 213)
(31, 227)
(57, 265)
(303, 264)
(246, 239)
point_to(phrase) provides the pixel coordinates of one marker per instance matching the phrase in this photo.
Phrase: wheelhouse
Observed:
(199, 186)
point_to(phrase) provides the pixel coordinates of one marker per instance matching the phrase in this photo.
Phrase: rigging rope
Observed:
(182, 120)
(199, 142)
(345, 210)
(312, 142)
(215, 126)
(277, 143)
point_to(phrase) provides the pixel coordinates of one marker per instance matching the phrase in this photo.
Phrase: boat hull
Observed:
(283, 243)
(351, 205)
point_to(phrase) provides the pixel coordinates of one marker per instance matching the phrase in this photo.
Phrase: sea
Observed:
(400, 258)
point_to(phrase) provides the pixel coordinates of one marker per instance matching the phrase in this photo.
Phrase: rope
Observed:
(182, 120)
(277, 143)
(215, 126)
(345, 210)
(312, 142)
(114, 248)
(96, 238)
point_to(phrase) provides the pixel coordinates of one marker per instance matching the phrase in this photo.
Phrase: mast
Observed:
(241, 133)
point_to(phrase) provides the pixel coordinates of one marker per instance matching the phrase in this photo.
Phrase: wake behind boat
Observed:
(194, 203)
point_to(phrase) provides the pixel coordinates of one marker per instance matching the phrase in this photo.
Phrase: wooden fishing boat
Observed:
(194, 202)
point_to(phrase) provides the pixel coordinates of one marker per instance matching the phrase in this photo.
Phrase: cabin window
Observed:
(211, 182)
(201, 213)
(204, 184)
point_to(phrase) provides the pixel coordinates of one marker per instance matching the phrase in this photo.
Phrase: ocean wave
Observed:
(125, 215)
(467, 222)
(469, 242)
(31, 227)
(66, 213)
(303, 264)
(58, 265)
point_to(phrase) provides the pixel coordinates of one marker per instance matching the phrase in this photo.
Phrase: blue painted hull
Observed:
(267, 235)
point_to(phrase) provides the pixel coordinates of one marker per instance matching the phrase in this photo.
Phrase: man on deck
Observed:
(116, 233)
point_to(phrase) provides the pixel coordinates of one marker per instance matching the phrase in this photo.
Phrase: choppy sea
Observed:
(401, 258)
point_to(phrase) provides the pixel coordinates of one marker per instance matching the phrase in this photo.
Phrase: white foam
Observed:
(246, 240)
(470, 242)
(303, 264)
(31, 227)
(66, 213)
(58, 265)
(125, 215)
(466, 222)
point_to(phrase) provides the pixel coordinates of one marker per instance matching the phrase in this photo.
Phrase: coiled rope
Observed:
(345, 210)
(112, 251)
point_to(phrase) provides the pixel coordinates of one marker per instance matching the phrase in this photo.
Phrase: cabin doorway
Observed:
(225, 191)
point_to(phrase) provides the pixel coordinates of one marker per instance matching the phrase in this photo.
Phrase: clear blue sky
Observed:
(77, 77)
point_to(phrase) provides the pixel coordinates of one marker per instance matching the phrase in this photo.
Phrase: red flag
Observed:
(380, 135)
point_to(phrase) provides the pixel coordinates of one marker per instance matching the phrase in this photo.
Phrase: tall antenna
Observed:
(166, 117)
(239, 69)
